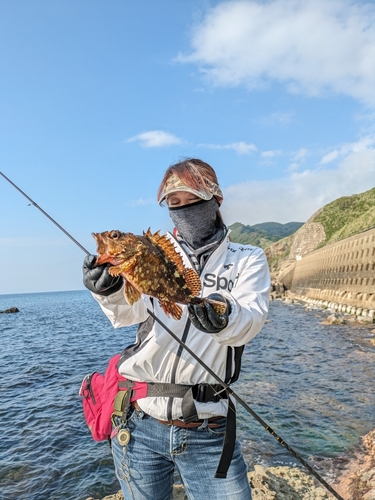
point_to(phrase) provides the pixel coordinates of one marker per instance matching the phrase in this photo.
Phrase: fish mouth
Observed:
(102, 257)
(99, 242)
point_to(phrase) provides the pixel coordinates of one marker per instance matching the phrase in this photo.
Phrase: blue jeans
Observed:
(145, 466)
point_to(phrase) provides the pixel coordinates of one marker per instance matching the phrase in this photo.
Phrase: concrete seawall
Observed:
(341, 273)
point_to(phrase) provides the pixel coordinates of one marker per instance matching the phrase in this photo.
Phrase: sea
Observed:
(313, 384)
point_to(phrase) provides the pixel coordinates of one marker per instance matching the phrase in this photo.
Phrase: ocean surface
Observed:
(312, 383)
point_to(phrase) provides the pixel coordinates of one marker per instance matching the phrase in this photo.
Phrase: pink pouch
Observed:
(98, 394)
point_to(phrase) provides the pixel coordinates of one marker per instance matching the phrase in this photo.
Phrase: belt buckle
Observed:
(166, 422)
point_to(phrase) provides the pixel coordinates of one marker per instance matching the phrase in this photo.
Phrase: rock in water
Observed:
(332, 319)
(11, 310)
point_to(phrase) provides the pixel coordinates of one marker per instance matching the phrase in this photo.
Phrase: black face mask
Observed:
(198, 223)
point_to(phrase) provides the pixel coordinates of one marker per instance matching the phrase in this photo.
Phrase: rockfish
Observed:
(151, 265)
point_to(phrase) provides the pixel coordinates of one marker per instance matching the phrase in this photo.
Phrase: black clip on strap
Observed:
(189, 411)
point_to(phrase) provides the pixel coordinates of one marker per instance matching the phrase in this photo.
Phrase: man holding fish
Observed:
(213, 294)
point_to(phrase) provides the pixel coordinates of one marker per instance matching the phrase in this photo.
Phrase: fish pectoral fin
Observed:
(131, 293)
(171, 309)
(192, 281)
(124, 267)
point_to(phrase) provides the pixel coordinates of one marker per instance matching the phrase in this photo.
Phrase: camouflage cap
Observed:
(174, 184)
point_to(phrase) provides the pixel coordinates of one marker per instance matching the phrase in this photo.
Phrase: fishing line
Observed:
(45, 213)
(225, 386)
(257, 440)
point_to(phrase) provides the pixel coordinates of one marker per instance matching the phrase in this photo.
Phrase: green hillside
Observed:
(347, 216)
(262, 235)
(342, 218)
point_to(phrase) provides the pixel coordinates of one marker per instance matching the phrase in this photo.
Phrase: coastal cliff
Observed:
(305, 240)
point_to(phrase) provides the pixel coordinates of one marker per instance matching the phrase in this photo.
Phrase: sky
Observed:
(98, 98)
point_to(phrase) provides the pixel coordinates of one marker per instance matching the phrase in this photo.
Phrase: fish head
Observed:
(114, 247)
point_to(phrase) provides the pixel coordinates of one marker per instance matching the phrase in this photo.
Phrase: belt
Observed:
(180, 423)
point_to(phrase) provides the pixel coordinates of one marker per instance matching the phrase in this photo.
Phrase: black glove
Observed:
(206, 318)
(97, 279)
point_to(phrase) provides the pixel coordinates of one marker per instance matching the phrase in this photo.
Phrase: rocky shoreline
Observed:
(356, 482)
(338, 313)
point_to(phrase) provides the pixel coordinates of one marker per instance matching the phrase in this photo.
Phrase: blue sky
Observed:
(98, 98)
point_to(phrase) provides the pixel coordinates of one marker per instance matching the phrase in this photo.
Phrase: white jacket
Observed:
(238, 272)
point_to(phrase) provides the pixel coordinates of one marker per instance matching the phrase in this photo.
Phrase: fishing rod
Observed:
(225, 386)
(45, 213)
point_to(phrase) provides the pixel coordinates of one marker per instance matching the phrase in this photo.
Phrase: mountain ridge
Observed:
(263, 234)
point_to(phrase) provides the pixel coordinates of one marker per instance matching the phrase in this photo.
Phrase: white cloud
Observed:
(241, 148)
(298, 158)
(140, 202)
(293, 167)
(297, 196)
(271, 153)
(312, 47)
(155, 139)
(300, 155)
(362, 144)
(329, 157)
(278, 118)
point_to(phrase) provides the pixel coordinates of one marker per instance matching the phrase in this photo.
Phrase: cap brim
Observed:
(201, 194)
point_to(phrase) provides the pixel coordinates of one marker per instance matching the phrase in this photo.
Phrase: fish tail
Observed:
(219, 307)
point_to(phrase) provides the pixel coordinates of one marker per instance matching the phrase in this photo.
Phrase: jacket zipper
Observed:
(186, 329)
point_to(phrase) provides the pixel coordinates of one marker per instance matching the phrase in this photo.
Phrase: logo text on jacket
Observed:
(211, 280)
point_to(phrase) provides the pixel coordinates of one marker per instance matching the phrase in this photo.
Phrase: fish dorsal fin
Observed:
(191, 277)
(167, 247)
(193, 281)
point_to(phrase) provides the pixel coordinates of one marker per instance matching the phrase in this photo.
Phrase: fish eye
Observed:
(114, 235)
